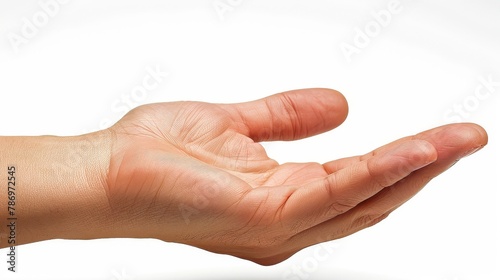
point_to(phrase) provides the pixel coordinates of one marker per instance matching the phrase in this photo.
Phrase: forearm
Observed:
(56, 190)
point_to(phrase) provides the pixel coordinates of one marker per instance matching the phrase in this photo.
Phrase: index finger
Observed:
(342, 190)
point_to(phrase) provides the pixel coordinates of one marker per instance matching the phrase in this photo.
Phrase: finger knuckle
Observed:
(368, 219)
(343, 205)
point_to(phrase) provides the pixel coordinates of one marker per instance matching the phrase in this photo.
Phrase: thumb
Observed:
(290, 115)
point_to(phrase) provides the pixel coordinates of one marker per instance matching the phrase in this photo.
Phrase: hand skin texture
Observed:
(195, 173)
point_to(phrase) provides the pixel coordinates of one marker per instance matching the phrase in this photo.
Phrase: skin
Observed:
(195, 173)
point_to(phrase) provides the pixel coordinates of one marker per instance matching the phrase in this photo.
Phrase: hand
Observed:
(195, 173)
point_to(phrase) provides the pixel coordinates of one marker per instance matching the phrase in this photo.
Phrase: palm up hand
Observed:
(194, 173)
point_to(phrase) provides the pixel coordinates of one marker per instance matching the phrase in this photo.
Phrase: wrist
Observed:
(59, 186)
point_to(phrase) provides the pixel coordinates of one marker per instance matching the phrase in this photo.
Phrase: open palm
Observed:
(194, 173)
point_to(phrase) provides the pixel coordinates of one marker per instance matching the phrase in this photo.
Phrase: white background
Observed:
(70, 75)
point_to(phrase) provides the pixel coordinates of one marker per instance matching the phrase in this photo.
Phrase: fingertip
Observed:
(478, 138)
(455, 141)
(478, 133)
(464, 133)
(335, 103)
(320, 109)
